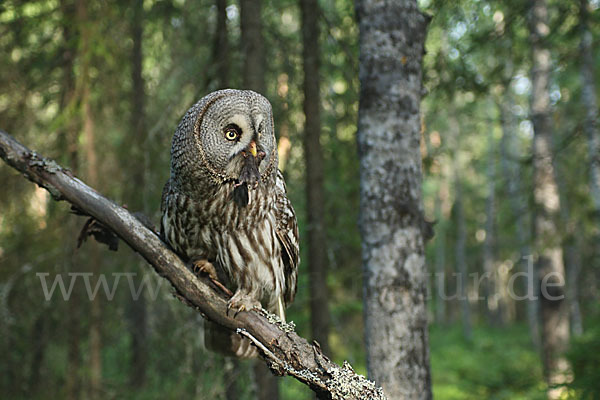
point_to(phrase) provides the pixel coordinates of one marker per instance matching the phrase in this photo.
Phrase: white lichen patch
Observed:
(347, 384)
(275, 320)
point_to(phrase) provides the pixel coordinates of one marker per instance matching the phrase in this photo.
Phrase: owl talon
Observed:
(241, 302)
(205, 267)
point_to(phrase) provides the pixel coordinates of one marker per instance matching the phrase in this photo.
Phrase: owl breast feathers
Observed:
(226, 201)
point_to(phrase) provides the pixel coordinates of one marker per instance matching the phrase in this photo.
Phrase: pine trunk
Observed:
(392, 36)
(550, 267)
(253, 47)
(137, 309)
(317, 240)
(221, 46)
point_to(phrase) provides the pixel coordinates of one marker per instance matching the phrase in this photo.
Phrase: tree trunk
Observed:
(392, 36)
(252, 45)
(571, 245)
(266, 384)
(590, 127)
(440, 263)
(550, 267)
(494, 312)
(69, 142)
(313, 156)
(460, 258)
(511, 167)
(137, 314)
(221, 46)
(590, 104)
(39, 342)
(91, 172)
(460, 262)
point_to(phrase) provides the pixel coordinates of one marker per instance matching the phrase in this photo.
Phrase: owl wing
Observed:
(287, 232)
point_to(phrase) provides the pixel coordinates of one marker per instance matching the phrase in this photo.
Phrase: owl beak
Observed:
(252, 148)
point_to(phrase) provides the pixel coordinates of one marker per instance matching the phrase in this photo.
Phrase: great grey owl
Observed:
(225, 208)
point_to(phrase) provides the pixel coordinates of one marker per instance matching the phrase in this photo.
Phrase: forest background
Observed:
(100, 86)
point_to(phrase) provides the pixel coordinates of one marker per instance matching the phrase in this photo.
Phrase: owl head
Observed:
(227, 137)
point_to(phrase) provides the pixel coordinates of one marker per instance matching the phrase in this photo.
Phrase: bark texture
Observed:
(392, 35)
(550, 267)
(283, 350)
(253, 47)
(313, 156)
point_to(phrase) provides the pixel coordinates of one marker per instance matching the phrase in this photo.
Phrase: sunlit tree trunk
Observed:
(252, 45)
(511, 167)
(392, 36)
(550, 267)
(315, 199)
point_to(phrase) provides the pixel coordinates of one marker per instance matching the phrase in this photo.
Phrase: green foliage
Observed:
(585, 364)
(497, 364)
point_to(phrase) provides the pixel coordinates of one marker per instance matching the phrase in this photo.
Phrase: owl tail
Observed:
(224, 341)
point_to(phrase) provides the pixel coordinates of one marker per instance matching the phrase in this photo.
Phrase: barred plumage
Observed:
(225, 201)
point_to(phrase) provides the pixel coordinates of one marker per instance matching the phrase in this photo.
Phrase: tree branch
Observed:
(285, 352)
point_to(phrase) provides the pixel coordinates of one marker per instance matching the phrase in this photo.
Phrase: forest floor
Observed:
(499, 363)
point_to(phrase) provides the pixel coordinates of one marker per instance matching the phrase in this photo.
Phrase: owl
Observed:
(225, 208)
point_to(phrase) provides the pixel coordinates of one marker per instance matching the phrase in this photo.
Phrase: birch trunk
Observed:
(392, 35)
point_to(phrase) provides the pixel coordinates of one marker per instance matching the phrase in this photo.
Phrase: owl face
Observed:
(235, 135)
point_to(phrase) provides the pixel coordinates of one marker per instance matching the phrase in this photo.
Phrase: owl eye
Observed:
(232, 132)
